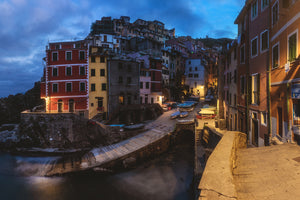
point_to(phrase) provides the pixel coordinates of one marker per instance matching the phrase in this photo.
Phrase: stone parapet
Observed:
(217, 179)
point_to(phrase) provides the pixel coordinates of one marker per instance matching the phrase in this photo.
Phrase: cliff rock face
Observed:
(63, 130)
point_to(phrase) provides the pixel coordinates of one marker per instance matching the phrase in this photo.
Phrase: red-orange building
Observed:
(285, 69)
(65, 80)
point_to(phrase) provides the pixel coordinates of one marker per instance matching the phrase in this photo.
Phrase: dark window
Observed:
(264, 3)
(147, 85)
(128, 80)
(103, 86)
(190, 69)
(81, 55)
(129, 68)
(93, 87)
(102, 59)
(265, 40)
(54, 56)
(254, 10)
(243, 54)
(254, 47)
(69, 87)
(120, 65)
(57, 46)
(69, 71)
(275, 56)
(105, 38)
(189, 62)
(82, 70)
(234, 53)
(54, 72)
(196, 75)
(141, 85)
(152, 100)
(196, 68)
(82, 86)
(190, 75)
(243, 85)
(55, 87)
(102, 72)
(234, 99)
(275, 13)
(68, 55)
(128, 100)
(77, 45)
(234, 78)
(93, 59)
(153, 75)
(120, 79)
(292, 47)
(93, 72)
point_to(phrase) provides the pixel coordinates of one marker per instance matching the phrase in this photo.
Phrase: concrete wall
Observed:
(217, 178)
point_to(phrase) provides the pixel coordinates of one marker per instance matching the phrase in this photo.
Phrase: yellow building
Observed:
(97, 83)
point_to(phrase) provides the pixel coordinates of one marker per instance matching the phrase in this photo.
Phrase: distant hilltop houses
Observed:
(122, 63)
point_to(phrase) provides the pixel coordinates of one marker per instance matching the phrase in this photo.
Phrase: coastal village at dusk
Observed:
(134, 111)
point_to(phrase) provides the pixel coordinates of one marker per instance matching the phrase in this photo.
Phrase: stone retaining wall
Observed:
(217, 178)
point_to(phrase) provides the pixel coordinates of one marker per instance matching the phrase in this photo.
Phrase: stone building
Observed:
(123, 84)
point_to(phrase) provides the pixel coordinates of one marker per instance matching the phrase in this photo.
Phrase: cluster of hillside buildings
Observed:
(122, 63)
(260, 72)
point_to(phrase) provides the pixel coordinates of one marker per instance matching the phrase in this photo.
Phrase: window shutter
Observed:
(249, 90)
(258, 88)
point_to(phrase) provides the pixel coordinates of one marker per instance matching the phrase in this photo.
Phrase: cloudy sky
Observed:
(28, 25)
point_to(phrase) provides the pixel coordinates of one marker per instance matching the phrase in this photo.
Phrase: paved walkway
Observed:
(268, 172)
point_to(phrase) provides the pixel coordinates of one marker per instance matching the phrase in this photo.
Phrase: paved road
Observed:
(268, 173)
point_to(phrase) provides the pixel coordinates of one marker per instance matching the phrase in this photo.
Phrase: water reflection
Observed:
(167, 177)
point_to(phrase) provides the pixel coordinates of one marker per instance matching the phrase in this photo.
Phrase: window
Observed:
(81, 55)
(82, 71)
(296, 112)
(120, 65)
(128, 100)
(102, 59)
(93, 72)
(243, 54)
(189, 62)
(254, 10)
(196, 75)
(255, 89)
(141, 85)
(102, 72)
(234, 77)
(264, 118)
(292, 49)
(69, 71)
(264, 4)
(234, 100)
(190, 75)
(121, 100)
(77, 45)
(120, 79)
(69, 87)
(93, 59)
(105, 38)
(234, 53)
(68, 55)
(190, 69)
(242, 85)
(196, 68)
(54, 87)
(254, 47)
(275, 56)
(147, 85)
(275, 13)
(152, 100)
(264, 39)
(57, 46)
(93, 87)
(128, 80)
(230, 98)
(103, 86)
(54, 71)
(54, 56)
(129, 68)
(82, 86)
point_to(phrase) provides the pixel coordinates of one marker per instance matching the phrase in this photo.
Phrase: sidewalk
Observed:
(268, 172)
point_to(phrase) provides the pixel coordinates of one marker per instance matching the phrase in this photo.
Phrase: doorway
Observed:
(71, 105)
(59, 105)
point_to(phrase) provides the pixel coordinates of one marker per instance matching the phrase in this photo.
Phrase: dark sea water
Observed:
(168, 176)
